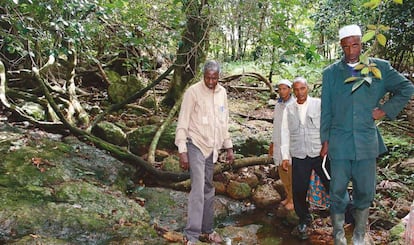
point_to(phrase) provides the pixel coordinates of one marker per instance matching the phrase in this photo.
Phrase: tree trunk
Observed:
(192, 48)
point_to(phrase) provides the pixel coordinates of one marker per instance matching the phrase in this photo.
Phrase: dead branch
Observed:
(74, 104)
(16, 109)
(249, 74)
(244, 88)
(253, 117)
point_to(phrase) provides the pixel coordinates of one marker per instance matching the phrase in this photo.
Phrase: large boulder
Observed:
(55, 192)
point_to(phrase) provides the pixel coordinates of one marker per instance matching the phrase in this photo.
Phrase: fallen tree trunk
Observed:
(221, 167)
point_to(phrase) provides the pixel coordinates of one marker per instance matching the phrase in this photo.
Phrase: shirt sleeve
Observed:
(181, 132)
(400, 88)
(227, 142)
(285, 137)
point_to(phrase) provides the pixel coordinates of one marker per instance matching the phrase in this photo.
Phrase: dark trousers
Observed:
(301, 172)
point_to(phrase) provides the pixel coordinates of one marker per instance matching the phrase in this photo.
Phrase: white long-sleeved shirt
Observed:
(285, 134)
(204, 119)
(277, 128)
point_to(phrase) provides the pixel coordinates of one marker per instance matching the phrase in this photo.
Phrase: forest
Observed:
(110, 75)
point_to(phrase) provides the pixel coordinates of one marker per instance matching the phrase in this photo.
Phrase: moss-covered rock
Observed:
(172, 164)
(140, 139)
(110, 132)
(238, 190)
(55, 192)
(122, 87)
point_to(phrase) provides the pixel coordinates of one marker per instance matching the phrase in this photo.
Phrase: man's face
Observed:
(352, 48)
(211, 78)
(301, 92)
(284, 91)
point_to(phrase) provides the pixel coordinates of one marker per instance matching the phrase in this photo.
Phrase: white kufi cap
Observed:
(285, 82)
(348, 31)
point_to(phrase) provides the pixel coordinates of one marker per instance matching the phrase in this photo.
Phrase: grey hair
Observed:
(301, 80)
(212, 65)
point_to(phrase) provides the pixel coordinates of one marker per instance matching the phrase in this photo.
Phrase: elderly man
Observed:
(202, 130)
(284, 88)
(348, 131)
(301, 142)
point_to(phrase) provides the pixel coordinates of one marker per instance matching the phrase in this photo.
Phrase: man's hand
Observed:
(285, 165)
(270, 153)
(184, 164)
(377, 113)
(230, 156)
(324, 149)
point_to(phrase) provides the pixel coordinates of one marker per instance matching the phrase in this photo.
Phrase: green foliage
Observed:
(97, 30)
(399, 146)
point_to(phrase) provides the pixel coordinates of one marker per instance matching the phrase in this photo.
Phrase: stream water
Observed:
(274, 230)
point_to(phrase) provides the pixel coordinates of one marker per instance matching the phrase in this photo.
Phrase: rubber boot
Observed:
(361, 219)
(338, 221)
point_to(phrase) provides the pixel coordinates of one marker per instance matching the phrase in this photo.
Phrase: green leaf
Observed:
(369, 4)
(381, 39)
(398, 1)
(376, 72)
(371, 27)
(372, 4)
(359, 67)
(384, 28)
(363, 58)
(357, 85)
(351, 79)
(365, 71)
(368, 36)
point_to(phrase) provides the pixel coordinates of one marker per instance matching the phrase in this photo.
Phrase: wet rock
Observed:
(35, 110)
(220, 188)
(266, 195)
(238, 190)
(110, 132)
(240, 235)
(248, 177)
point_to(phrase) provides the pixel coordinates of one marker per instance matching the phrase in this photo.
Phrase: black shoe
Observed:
(302, 230)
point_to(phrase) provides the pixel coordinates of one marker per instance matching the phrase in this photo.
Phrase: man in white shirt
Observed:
(202, 130)
(301, 142)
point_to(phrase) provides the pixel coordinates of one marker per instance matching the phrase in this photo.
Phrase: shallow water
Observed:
(274, 230)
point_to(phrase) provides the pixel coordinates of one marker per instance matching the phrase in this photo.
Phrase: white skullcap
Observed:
(285, 82)
(348, 31)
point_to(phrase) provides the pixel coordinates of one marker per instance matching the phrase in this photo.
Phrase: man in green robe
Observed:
(348, 131)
